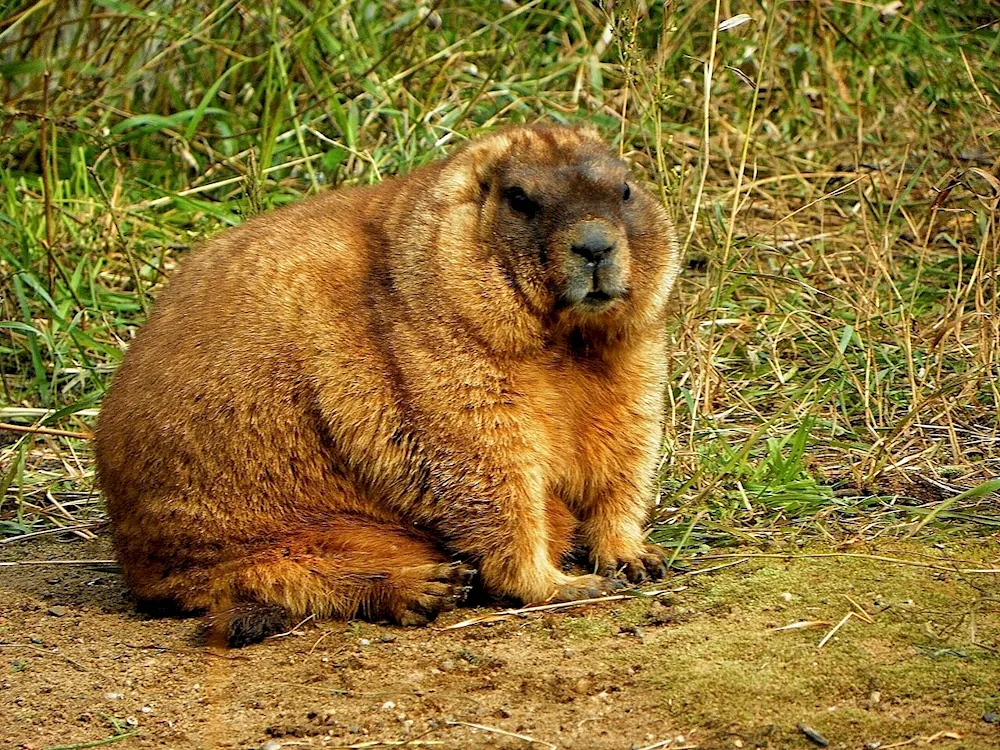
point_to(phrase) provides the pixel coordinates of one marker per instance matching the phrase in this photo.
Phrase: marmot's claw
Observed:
(648, 566)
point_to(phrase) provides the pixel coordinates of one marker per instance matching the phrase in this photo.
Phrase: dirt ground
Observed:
(917, 663)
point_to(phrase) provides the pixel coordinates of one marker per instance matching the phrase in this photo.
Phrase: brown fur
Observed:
(333, 403)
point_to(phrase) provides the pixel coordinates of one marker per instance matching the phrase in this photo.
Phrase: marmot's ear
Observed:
(488, 156)
(483, 161)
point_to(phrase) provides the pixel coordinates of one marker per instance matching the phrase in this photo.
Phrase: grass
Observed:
(831, 167)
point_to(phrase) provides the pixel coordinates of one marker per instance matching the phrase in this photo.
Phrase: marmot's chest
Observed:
(573, 417)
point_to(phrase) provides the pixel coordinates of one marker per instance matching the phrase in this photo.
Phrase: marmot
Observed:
(343, 407)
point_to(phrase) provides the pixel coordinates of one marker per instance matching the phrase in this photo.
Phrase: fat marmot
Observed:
(343, 407)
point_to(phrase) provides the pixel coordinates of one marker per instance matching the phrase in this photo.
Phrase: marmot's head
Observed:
(571, 227)
(563, 238)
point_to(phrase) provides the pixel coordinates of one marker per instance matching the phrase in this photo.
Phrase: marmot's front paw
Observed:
(648, 565)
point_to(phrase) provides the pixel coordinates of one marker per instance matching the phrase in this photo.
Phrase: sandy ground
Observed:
(917, 663)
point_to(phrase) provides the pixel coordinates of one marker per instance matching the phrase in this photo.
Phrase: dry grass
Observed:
(834, 167)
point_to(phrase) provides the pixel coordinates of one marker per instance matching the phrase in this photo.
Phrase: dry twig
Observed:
(505, 733)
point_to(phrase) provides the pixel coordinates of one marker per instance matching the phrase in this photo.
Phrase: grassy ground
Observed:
(735, 658)
(832, 168)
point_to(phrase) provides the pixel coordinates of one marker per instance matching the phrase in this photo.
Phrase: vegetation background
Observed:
(832, 168)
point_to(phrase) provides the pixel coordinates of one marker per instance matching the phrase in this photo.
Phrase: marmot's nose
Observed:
(593, 241)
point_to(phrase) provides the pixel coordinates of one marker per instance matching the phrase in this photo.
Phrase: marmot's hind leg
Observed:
(344, 569)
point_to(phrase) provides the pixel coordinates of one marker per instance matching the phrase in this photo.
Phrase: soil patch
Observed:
(706, 666)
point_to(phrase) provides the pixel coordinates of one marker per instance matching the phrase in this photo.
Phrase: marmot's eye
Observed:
(520, 201)
(626, 192)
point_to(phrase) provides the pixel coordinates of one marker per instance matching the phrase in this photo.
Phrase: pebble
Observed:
(271, 745)
(58, 610)
(113, 696)
(813, 735)
(447, 665)
(991, 718)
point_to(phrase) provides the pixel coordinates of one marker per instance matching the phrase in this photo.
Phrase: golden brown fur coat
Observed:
(336, 402)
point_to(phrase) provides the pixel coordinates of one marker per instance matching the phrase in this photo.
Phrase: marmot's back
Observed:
(220, 358)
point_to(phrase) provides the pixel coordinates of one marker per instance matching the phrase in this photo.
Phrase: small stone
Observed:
(583, 686)
(567, 653)
(991, 718)
(875, 697)
(447, 665)
(813, 735)
(388, 705)
(58, 610)
(146, 709)
(113, 696)
(365, 642)
(787, 596)
(271, 745)
(737, 743)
